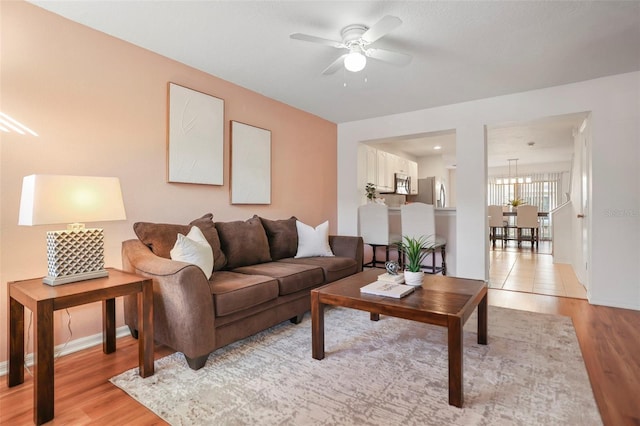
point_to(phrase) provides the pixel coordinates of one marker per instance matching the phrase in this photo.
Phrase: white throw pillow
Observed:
(194, 248)
(313, 241)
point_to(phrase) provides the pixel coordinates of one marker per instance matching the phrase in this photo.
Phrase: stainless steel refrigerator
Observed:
(430, 191)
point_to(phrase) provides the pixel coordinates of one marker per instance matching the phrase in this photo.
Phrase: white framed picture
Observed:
(195, 137)
(250, 164)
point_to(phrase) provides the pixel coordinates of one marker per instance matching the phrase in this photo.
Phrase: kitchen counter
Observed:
(438, 210)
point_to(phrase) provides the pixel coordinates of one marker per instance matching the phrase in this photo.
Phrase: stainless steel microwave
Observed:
(402, 184)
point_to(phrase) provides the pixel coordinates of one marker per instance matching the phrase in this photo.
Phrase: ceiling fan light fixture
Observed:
(354, 45)
(355, 61)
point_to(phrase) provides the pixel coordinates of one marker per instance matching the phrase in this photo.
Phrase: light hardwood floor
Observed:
(609, 339)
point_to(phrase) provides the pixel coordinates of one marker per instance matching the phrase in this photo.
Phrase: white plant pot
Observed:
(413, 278)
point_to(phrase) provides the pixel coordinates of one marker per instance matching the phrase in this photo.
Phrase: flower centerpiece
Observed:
(414, 250)
(515, 203)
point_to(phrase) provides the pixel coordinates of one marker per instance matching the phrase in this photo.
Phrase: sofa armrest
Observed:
(183, 307)
(139, 259)
(347, 246)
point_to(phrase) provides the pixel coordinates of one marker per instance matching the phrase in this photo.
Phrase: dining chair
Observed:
(497, 221)
(373, 227)
(527, 218)
(418, 220)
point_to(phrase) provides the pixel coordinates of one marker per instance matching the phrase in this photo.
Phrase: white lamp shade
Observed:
(355, 61)
(54, 199)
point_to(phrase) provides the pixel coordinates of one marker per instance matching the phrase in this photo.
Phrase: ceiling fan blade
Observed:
(395, 58)
(381, 28)
(314, 39)
(335, 65)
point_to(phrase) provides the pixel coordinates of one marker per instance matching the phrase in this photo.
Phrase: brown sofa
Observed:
(256, 281)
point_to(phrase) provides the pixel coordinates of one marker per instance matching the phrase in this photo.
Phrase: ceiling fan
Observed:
(356, 40)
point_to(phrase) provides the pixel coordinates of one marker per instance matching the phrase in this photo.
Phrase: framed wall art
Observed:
(195, 137)
(250, 164)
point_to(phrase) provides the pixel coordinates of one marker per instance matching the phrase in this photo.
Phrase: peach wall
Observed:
(99, 106)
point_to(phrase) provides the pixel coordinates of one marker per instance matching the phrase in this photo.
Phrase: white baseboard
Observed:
(71, 347)
(613, 303)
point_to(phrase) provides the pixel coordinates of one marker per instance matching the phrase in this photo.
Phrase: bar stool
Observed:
(373, 227)
(418, 220)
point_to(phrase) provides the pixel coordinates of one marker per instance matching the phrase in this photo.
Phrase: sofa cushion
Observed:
(334, 268)
(233, 292)
(292, 277)
(283, 237)
(244, 243)
(161, 237)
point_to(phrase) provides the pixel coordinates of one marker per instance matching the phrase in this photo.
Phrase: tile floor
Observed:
(532, 271)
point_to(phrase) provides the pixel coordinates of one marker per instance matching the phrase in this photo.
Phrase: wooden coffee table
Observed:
(443, 301)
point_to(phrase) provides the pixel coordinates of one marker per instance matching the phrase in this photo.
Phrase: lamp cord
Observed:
(59, 352)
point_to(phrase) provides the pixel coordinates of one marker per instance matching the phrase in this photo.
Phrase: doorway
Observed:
(547, 158)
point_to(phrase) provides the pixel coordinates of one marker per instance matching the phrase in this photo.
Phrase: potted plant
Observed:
(414, 250)
(371, 191)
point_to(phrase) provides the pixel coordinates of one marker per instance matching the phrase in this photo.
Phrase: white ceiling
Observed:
(461, 50)
(552, 139)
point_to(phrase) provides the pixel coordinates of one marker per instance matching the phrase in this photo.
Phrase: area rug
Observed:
(390, 372)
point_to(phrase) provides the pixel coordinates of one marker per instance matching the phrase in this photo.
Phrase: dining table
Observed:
(511, 213)
(511, 223)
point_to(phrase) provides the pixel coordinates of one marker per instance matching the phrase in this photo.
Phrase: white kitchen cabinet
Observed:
(372, 164)
(385, 171)
(402, 166)
(367, 166)
(379, 168)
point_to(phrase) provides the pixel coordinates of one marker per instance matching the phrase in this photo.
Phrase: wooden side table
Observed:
(43, 299)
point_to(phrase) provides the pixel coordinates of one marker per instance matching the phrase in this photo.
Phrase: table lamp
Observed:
(77, 253)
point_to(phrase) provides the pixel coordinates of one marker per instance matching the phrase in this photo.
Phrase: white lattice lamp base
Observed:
(75, 254)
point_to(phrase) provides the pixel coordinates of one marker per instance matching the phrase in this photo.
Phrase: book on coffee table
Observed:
(389, 278)
(382, 288)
